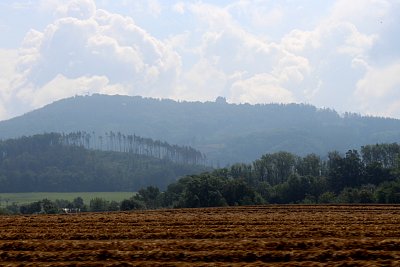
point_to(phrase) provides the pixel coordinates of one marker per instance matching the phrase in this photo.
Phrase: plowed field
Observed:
(263, 235)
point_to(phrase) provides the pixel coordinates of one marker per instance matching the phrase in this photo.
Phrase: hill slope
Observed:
(44, 163)
(226, 133)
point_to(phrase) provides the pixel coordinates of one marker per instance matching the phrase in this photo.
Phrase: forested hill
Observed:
(226, 133)
(61, 163)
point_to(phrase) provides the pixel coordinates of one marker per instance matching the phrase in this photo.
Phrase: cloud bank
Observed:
(334, 54)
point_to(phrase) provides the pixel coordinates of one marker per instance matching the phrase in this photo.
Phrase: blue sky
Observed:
(338, 54)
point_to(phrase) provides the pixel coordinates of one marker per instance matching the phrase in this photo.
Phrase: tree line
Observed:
(119, 142)
(369, 176)
(228, 132)
(63, 163)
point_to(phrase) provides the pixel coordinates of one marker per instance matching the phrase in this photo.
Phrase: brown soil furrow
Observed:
(287, 235)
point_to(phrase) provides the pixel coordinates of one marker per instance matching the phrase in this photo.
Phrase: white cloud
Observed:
(204, 81)
(259, 13)
(325, 53)
(179, 7)
(7, 70)
(367, 14)
(154, 7)
(378, 91)
(234, 50)
(355, 43)
(298, 40)
(261, 88)
(8, 61)
(93, 44)
(80, 9)
(335, 56)
(62, 87)
(291, 68)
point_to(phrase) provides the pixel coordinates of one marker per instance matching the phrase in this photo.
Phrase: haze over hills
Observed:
(226, 133)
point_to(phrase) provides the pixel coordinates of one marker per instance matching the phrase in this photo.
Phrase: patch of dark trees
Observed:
(369, 176)
(70, 163)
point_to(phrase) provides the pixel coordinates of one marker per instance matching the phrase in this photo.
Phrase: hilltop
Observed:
(226, 133)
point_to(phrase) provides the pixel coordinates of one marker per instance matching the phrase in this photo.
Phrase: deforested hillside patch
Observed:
(64, 163)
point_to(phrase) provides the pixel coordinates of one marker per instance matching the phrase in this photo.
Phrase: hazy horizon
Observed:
(341, 114)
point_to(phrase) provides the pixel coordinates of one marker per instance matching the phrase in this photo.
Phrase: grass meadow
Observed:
(25, 198)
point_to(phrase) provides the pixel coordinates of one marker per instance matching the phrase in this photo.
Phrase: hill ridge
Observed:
(225, 132)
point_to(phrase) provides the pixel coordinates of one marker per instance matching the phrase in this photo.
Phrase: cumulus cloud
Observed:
(233, 50)
(324, 53)
(313, 65)
(80, 9)
(261, 88)
(259, 13)
(378, 91)
(7, 64)
(205, 80)
(337, 52)
(62, 87)
(8, 61)
(87, 47)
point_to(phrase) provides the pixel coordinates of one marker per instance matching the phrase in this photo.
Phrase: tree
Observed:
(309, 165)
(353, 169)
(385, 154)
(375, 173)
(335, 171)
(296, 188)
(327, 197)
(98, 204)
(388, 192)
(204, 190)
(113, 206)
(78, 203)
(345, 172)
(366, 194)
(348, 195)
(149, 196)
(275, 168)
(238, 192)
(242, 171)
(49, 207)
(131, 204)
(31, 208)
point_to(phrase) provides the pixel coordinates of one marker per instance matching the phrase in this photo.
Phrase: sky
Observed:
(339, 54)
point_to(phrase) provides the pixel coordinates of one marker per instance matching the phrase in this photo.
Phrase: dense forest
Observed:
(369, 176)
(226, 133)
(67, 163)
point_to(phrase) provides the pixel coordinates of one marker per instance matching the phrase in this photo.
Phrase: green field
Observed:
(24, 198)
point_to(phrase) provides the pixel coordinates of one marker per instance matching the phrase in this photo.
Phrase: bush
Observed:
(4, 211)
(131, 204)
(327, 197)
(35, 207)
(49, 207)
(98, 204)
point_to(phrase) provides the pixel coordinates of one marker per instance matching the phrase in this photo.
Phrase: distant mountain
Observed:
(226, 133)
